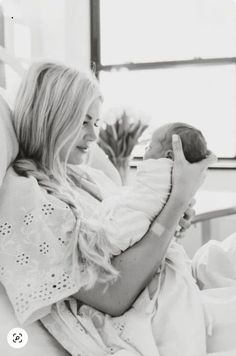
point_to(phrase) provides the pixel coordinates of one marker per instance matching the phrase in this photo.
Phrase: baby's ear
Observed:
(169, 154)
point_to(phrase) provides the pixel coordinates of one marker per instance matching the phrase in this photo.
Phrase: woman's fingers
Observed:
(184, 224)
(177, 148)
(192, 203)
(189, 214)
(186, 221)
(208, 161)
(179, 154)
(187, 177)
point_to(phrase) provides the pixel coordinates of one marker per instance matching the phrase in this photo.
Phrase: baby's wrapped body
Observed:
(131, 209)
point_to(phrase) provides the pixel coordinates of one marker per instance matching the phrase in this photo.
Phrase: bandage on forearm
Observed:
(158, 229)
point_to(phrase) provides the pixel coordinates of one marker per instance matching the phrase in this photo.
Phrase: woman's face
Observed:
(87, 135)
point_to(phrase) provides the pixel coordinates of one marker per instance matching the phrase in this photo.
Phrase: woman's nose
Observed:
(93, 133)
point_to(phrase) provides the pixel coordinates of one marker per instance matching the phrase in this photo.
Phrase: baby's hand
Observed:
(186, 221)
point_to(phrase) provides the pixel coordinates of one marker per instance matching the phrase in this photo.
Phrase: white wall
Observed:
(56, 30)
(220, 180)
(60, 29)
(77, 47)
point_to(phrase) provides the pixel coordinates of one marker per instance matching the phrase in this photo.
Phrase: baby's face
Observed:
(155, 148)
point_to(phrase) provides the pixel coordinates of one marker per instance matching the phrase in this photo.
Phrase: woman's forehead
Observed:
(95, 108)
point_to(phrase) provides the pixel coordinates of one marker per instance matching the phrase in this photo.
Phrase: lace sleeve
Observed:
(39, 262)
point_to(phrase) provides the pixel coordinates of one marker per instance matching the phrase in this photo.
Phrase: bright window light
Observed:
(204, 96)
(163, 30)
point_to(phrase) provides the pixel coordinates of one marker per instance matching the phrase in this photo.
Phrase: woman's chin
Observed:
(76, 160)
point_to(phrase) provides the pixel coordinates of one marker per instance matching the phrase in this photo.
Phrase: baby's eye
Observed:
(97, 123)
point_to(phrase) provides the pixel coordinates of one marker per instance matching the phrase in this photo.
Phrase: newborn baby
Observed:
(134, 207)
(194, 143)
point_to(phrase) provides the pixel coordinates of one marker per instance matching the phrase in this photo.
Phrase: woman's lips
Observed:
(83, 149)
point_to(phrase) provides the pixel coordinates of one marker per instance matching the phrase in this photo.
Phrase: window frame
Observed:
(97, 66)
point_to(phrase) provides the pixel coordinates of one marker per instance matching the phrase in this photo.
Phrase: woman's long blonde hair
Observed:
(49, 111)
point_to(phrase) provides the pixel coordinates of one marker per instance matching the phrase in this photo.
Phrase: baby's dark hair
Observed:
(193, 141)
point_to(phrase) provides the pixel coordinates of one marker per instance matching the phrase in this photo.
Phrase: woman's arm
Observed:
(138, 264)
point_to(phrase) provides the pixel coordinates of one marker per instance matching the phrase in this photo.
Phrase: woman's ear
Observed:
(169, 154)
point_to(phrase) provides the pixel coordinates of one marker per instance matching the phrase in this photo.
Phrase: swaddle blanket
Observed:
(132, 208)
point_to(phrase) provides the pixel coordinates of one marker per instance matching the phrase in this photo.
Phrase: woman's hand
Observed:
(187, 177)
(186, 221)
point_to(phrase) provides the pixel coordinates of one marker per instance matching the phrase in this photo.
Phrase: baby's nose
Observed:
(146, 147)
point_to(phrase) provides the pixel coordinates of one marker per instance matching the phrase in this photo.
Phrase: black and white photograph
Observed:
(118, 177)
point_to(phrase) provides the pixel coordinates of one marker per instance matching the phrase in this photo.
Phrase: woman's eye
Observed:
(85, 122)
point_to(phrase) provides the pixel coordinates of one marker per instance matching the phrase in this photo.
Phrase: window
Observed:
(173, 59)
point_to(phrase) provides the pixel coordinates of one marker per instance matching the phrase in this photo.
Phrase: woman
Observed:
(53, 245)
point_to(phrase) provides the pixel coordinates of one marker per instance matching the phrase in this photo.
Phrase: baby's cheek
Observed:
(147, 154)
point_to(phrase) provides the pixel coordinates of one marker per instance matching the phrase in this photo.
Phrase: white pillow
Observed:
(40, 342)
(8, 141)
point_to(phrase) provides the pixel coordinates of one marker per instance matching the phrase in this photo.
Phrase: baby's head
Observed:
(193, 142)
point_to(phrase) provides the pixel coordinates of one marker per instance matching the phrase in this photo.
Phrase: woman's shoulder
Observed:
(17, 190)
(14, 183)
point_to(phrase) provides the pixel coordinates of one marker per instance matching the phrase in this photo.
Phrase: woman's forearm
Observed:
(137, 265)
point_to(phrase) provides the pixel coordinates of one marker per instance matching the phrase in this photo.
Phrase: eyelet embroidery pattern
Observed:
(112, 350)
(79, 326)
(45, 291)
(47, 209)
(22, 259)
(5, 228)
(119, 326)
(44, 248)
(61, 241)
(2, 271)
(28, 219)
